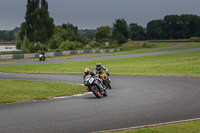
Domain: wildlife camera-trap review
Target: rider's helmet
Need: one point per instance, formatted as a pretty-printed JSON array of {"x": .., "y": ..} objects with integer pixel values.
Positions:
[
  {"x": 87, "y": 71},
  {"x": 98, "y": 66}
]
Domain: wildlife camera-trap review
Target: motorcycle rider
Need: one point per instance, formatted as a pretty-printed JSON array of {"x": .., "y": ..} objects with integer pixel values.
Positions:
[
  {"x": 87, "y": 72},
  {"x": 99, "y": 70},
  {"x": 43, "y": 54}
]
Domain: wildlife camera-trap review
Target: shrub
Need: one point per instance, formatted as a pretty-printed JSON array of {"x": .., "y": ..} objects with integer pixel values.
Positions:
[
  {"x": 148, "y": 45},
  {"x": 95, "y": 44},
  {"x": 195, "y": 39},
  {"x": 69, "y": 45},
  {"x": 54, "y": 42}
]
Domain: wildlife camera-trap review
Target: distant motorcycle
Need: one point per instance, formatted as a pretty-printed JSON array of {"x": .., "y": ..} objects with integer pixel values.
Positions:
[
  {"x": 106, "y": 80},
  {"x": 41, "y": 57},
  {"x": 94, "y": 85}
]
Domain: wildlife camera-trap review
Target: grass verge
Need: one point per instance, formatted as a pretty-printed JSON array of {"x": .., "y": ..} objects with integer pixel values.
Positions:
[
  {"x": 26, "y": 90},
  {"x": 178, "y": 64},
  {"x": 188, "y": 127}
]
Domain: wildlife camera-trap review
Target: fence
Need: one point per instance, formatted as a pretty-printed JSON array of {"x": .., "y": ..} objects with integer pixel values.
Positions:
[{"x": 52, "y": 54}]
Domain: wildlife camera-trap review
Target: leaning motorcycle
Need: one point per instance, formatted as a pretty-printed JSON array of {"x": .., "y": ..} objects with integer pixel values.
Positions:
[
  {"x": 41, "y": 57},
  {"x": 94, "y": 86},
  {"x": 106, "y": 80}
]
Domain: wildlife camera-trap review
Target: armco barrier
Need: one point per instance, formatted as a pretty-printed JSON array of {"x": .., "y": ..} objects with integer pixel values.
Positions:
[
  {"x": 102, "y": 51},
  {"x": 57, "y": 53},
  {"x": 51, "y": 54},
  {"x": 18, "y": 56},
  {"x": 88, "y": 51},
  {"x": 66, "y": 52},
  {"x": 6, "y": 57},
  {"x": 37, "y": 55},
  {"x": 73, "y": 52},
  {"x": 107, "y": 50},
  {"x": 80, "y": 51},
  {"x": 29, "y": 55},
  {"x": 96, "y": 51}
]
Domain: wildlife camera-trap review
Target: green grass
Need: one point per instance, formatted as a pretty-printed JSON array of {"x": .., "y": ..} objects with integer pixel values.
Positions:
[
  {"x": 26, "y": 90},
  {"x": 133, "y": 50},
  {"x": 179, "y": 64},
  {"x": 188, "y": 127},
  {"x": 147, "y": 45}
]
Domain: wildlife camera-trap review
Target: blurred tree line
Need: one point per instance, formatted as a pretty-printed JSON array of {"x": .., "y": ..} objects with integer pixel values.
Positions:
[
  {"x": 39, "y": 33},
  {"x": 174, "y": 27},
  {"x": 6, "y": 35}
]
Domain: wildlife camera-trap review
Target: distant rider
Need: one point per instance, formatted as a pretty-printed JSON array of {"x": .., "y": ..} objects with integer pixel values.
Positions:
[
  {"x": 43, "y": 54},
  {"x": 99, "y": 69}
]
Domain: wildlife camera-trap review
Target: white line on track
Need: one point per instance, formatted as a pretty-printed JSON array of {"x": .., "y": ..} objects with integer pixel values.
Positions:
[{"x": 77, "y": 95}]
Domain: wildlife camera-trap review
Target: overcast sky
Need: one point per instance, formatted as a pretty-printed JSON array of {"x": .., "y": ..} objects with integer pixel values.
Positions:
[{"x": 90, "y": 14}]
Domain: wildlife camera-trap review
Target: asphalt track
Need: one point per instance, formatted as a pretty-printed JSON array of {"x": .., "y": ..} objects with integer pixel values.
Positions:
[{"x": 133, "y": 101}]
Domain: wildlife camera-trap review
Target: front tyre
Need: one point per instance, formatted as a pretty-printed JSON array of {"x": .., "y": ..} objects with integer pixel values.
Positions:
[
  {"x": 96, "y": 91},
  {"x": 107, "y": 83},
  {"x": 109, "y": 86}
]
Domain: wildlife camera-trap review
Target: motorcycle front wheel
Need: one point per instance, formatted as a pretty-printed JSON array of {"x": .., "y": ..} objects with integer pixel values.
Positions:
[
  {"x": 96, "y": 91},
  {"x": 107, "y": 83}
]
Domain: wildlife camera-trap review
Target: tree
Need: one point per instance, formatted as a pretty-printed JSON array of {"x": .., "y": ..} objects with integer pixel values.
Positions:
[
  {"x": 65, "y": 33},
  {"x": 171, "y": 25},
  {"x": 38, "y": 26},
  {"x": 120, "y": 31},
  {"x": 31, "y": 6},
  {"x": 155, "y": 29},
  {"x": 88, "y": 33},
  {"x": 70, "y": 27},
  {"x": 136, "y": 32},
  {"x": 103, "y": 34},
  {"x": 7, "y": 35},
  {"x": 174, "y": 27}
]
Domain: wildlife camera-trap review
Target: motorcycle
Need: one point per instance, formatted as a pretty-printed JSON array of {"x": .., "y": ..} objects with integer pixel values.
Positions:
[
  {"x": 41, "y": 57},
  {"x": 94, "y": 85},
  {"x": 106, "y": 80}
]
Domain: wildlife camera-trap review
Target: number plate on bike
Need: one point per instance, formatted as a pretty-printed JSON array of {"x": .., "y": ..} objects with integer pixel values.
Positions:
[{"x": 91, "y": 80}]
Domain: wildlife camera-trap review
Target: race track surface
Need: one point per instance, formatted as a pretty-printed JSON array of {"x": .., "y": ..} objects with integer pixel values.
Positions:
[{"x": 133, "y": 101}]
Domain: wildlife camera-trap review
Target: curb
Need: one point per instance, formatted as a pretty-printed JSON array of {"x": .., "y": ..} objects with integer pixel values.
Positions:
[{"x": 148, "y": 126}]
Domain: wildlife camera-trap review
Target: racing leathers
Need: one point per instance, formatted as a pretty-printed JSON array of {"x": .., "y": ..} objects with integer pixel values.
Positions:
[{"x": 99, "y": 70}]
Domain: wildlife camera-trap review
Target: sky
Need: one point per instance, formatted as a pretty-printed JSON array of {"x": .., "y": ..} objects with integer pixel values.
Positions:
[{"x": 90, "y": 14}]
